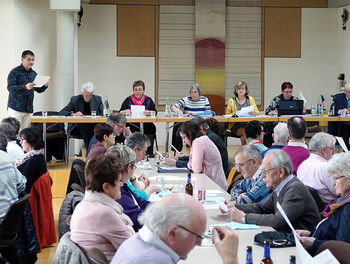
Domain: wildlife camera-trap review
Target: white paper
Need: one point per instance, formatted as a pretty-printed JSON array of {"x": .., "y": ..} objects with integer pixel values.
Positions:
[
  {"x": 304, "y": 256},
  {"x": 222, "y": 206},
  {"x": 137, "y": 110},
  {"x": 210, "y": 206},
  {"x": 301, "y": 97},
  {"x": 279, "y": 207},
  {"x": 342, "y": 143},
  {"x": 40, "y": 80},
  {"x": 325, "y": 257},
  {"x": 245, "y": 110},
  {"x": 167, "y": 178}
]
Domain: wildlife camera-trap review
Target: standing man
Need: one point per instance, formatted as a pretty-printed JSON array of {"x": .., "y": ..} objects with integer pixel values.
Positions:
[
  {"x": 21, "y": 87},
  {"x": 81, "y": 105},
  {"x": 341, "y": 102}
]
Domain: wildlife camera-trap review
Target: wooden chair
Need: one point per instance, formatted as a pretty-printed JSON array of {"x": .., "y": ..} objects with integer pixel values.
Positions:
[{"x": 217, "y": 103}]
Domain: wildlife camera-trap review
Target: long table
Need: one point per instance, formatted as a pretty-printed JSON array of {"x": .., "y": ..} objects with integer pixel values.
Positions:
[{"x": 208, "y": 253}]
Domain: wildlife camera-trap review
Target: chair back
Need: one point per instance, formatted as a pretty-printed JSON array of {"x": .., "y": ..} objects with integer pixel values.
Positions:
[
  {"x": 12, "y": 221},
  {"x": 317, "y": 199},
  {"x": 217, "y": 103},
  {"x": 79, "y": 169},
  {"x": 96, "y": 256}
]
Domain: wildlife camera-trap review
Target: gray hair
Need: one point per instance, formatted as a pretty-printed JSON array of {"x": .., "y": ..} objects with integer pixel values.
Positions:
[
  {"x": 115, "y": 118},
  {"x": 159, "y": 217},
  {"x": 196, "y": 86},
  {"x": 201, "y": 122},
  {"x": 281, "y": 132},
  {"x": 249, "y": 152},
  {"x": 320, "y": 141},
  {"x": 138, "y": 140},
  {"x": 125, "y": 154},
  {"x": 3, "y": 142},
  {"x": 8, "y": 131},
  {"x": 88, "y": 87},
  {"x": 340, "y": 164},
  {"x": 280, "y": 159},
  {"x": 13, "y": 122}
]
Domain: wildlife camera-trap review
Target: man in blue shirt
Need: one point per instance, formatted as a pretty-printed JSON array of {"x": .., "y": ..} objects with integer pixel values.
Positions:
[{"x": 21, "y": 87}]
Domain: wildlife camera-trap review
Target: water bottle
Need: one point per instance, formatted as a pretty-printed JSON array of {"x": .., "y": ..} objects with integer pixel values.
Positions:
[
  {"x": 189, "y": 187},
  {"x": 167, "y": 108},
  {"x": 106, "y": 107},
  {"x": 292, "y": 259},
  {"x": 266, "y": 259},
  {"x": 249, "y": 256},
  {"x": 313, "y": 107},
  {"x": 320, "y": 107}
]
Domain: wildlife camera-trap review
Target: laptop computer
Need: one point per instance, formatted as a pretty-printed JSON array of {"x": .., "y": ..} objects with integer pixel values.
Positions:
[{"x": 292, "y": 107}]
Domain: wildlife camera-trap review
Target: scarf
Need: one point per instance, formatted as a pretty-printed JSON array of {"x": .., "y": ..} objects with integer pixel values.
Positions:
[
  {"x": 104, "y": 199},
  {"x": 336, "y": 204},
  {"x": 138, "y": 101},
  {"x": 28, "y": 155}
]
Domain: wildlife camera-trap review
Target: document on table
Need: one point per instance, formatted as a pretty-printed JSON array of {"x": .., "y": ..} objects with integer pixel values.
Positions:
[
  {"x": 40, "y": 80},
  {"x": 342, "y": 143},
  {"x": 236, "y": 226},
  {"x": 170, "y": 169},
  {"x": 137, "y": 110},
  {"x": 245, "y": 110},
  {"x": 167, "y": 178}
]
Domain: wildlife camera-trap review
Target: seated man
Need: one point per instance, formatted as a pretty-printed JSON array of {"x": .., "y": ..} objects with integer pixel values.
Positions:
[
  {"x": 289, "y": 191},
  {"x": 117, "y": 121},
  {"x": 171, "y": 228},
  {"x": 81, "y": 105},
  {"x": 252, "y": 189},
  {"x": 13, "y": 149},
  {"x": 280, "y": 137},
  {"x": 297, "y": 149},
  {"x": 312, "y": 172}
]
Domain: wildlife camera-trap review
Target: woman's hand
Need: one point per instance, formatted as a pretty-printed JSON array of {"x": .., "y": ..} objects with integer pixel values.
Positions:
[
  {"x": 147, "y": 113},
  {"x": 144, "y": 180},
  {"x": 302, "y": 233},
  {"x": 125, "y": 112},
  {"x": 252, "y": 113},
  {"x": 151, "y": 189},
  {"x": 307, "y": 242}
]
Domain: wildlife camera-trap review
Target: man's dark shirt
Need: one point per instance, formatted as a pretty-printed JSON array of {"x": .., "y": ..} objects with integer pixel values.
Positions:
[{"x": 20, "y": 99}]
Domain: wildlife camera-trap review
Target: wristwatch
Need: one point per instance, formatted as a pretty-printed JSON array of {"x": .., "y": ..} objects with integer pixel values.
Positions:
[{"x": 243, "y": 220}]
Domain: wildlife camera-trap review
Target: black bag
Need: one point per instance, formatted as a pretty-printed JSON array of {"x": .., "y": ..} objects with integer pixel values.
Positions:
[{"x": 277, "y": 239}]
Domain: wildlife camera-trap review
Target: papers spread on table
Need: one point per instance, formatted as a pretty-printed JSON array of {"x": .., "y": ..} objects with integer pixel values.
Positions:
[
  {"x": 236, "y": 226},
  {"x": 40, "y": 80},
  {"x": 210, "y": 206},
  {"x": 342, "y": 143},
  {"x": 137, "y": 110},
  {"x": 214, "y": 199},
  {"x": 167, "y": 178},
  {"x": 245, "y": 110},
  {"x": 325, "y": 257},
  {"x": 171, "y": 169}
]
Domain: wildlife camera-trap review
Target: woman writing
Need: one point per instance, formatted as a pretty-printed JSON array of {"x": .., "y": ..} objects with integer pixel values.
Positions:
[
  {"x": 204, "y": 156},
  {"x": 139, "y": 98},
  {"x": 335, "y": 226},
  {"x": 235, "y": 104},
  {"x": 98, "y": 220},
  {"x": 255, "y": 133}
]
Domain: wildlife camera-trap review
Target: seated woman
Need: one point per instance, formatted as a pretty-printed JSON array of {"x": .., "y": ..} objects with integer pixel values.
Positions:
[
  {"x": 235, "y": 104},
  {"x": 139, "y": 98},
  {"x": 204, "y": 156},
  {"x": 33, "y": 166},
  {"x": 255, "y": 133},
  {"x": 193, "y": 104},
  {"x": 98, "y": 220},
  {"x": 105, "y": 138},
  {"x": 132, "y": 204},
  {"x": 335, "y": 226}
]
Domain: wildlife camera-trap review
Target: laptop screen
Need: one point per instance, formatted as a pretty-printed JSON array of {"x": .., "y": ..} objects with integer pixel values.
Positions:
[{"x": 292, "y": 107}]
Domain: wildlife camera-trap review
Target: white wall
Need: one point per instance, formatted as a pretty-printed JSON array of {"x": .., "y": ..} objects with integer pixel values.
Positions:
[
  {"x": 317, "y": 70},
  {"x": 343, "y": 40}
]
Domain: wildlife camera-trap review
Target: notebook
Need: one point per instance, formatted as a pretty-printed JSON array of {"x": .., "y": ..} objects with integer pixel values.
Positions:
[{"x": 292, "y": 107}]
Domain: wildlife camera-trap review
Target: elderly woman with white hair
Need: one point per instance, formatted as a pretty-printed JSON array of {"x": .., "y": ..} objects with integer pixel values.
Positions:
[
  {"x": 81, "y": 105},
  {"x": 193, "y": 104},
  {"x": 335, "y": 226}
]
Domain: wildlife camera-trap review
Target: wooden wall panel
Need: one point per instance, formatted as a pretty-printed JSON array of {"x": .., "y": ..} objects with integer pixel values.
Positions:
[
  {"x": 125, "y": 2},
  {"x": 294, "y": 3},
  {"x": 282, "y": 32},
  {"x": 136, "y": 30}
]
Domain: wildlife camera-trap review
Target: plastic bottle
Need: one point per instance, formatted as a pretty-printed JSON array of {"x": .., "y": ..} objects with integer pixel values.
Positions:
[
  {"x": 292, "y": 259},
  {"x": 320, "y": 107},
  {"x": 167, "y": 107},
  {"x": 106, "y": 107},
  {"x": 249, "y": 256},
  {"x": 189, "y": 187},
  {"x": 313, "y": 107},
  {"x": 266, "y": 258}
]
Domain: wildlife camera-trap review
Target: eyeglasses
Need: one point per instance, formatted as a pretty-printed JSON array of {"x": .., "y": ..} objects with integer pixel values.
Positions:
[
  {"x": 337, "y": 178},
  {"x": 120, "y": 126},
  {"x": 183, "y": 137},
  {"x": 201, "y": 237},
  {"x": 242, "y": 164},
  {"x": 132, "y": 165},
  {"x": 346, "y": 91},
  {"x": 288, "y": 92},
  {"x": 266, "y": 171},
  {"x": 331, "y": 148}
]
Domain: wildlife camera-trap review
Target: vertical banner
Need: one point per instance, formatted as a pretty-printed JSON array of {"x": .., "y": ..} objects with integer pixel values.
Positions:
[{"x": 210, "y": 46}]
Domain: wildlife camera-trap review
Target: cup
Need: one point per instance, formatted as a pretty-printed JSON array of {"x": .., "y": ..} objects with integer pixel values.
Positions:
[
  {"x": 127, "y": 115},
  {"x": 93, "y": 113},
  {"x": 153, "y": 114},
  {"x": 156, "y": 159},
  {"x": 202, "y": 192},
  {"x": 44, "y": 113},
  {"x": 160, "y": 184},
  {"x": 342, "y": 112},
  {"x": 176, "y": 188},
  {"x": 180, "y": 114}
]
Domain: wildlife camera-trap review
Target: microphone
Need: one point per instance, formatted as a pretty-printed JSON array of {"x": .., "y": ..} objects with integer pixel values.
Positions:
[
  {"x": 322, "y": 98},
  {"x": 332, "y": 95}
]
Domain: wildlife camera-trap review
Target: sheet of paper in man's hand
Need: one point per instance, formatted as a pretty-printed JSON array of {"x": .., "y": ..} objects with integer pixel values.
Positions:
[{"x": 40, "y": 80}]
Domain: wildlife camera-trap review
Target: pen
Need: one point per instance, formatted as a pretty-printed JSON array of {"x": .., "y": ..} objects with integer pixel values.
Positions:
[
  {"x": 160, "y": 154},
  {"x": 178, "y": 152}
]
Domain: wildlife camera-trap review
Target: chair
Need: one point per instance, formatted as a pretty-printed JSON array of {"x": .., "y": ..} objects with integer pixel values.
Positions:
[
  {"x": 74, "y": 136},
  {"x": 317, "y": 199},
  {"x": 217, "y": 103},
  {"x": 339, "y": 249},
  {"x": 55, "y": 137},
  {"x": 76, "y": 175},
  {"x": 12, "y": 221},
  {"x": 97, "y": 256}
]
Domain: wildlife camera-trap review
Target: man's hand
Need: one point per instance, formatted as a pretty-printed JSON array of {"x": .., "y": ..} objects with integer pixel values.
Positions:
[
  {"x": 226, "y": 243},
  {"x": 77, "y": 114},
  {"x": 29, "y": 86},
  {"x": 48, "y": 82},
  {"x": 126, "y": 132},
  {"x": 236, "y": 214}
]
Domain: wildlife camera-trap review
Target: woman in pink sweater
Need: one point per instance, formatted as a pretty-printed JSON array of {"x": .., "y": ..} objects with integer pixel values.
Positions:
[{"x": 205, "y": 156}]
